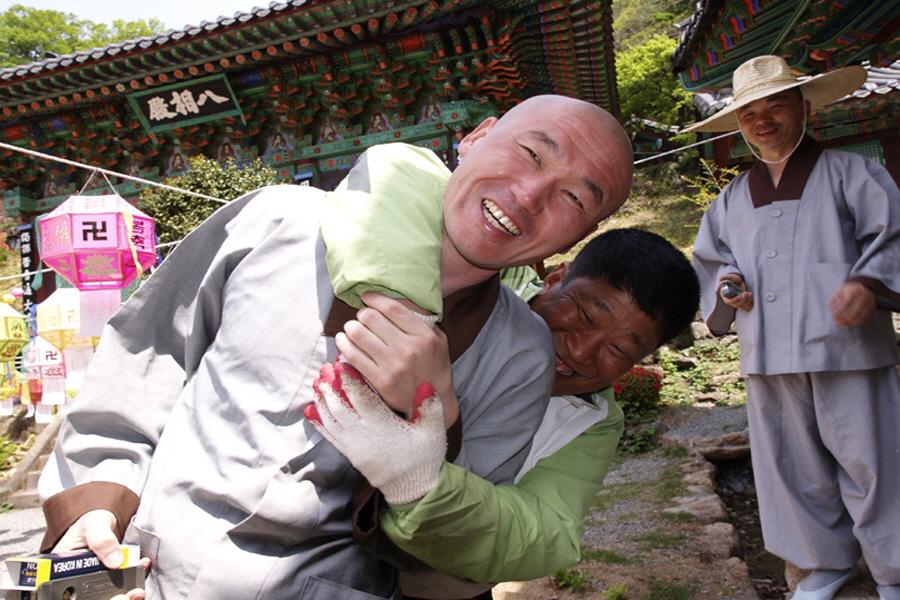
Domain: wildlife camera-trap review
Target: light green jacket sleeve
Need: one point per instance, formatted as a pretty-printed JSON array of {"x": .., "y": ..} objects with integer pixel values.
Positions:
[
  {"x": 382, "y": 226},
  {"x": 476, "y": 531}
]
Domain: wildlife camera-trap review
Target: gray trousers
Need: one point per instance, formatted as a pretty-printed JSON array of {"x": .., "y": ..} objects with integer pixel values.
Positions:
[{"x": 826, "y": 459}]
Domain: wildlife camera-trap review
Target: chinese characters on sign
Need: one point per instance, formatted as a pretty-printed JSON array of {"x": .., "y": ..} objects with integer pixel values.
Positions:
[
  {"x": 29, "y": 264},
  {"x": 192, "y": 102},
  {"x": 182, "y": 103}
]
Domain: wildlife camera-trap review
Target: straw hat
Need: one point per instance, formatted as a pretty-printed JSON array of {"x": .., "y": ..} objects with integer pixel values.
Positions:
[{"x": 763, "y": 76}]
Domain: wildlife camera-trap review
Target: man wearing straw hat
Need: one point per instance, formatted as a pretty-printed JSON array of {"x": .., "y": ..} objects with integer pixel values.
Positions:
[{"x": 811, "y": 237}]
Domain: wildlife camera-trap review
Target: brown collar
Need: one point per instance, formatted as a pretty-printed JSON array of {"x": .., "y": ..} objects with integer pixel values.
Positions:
[{"x": 793, "y": 180}]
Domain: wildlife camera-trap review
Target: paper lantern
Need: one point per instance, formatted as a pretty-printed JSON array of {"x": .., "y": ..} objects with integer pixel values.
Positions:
[
  {"x": 44, "y": 364},
  {"x": 13, "y": 332},
  {"x": 97, "y": 242},
  {"x": 58, "y": 320}
]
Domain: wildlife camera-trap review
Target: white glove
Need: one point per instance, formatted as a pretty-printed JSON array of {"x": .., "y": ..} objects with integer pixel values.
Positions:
[{"x": 401, "y": 458}]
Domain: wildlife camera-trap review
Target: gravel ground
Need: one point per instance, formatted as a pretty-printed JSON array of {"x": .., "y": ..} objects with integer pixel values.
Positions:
[
  {"x": 688, "y": 422},
  {"x": 21, "y": 531},
  {"x": 617, "y": 524},
  {"x": 623, "y": 523}
]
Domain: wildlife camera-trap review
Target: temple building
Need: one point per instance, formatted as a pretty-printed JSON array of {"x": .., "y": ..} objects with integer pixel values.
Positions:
[{"x": 304, "y": 85}]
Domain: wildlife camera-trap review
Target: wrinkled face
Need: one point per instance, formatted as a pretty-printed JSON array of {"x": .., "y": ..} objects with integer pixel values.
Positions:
[
  {"x": 774, "y": 124},
  {"x": 598, "y": 331},
  {"x": 534, "y": 183}
]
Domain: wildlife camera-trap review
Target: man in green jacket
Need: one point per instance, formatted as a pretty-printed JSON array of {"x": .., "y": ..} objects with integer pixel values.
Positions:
[{"x": 626, "y": 293}]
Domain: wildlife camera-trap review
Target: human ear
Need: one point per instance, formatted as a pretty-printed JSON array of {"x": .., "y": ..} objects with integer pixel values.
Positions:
[
  {"x": 557, "y": 275},
  {"x": 476, "y": 134}
]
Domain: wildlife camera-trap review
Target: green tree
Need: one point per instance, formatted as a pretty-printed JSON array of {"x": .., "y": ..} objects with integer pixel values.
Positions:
[
  {"x": 30, "y": 34},
  {"x": 647, "y": 87},
  {"x": 176, "y": 214},
  {"x": 636, "y": 21}
]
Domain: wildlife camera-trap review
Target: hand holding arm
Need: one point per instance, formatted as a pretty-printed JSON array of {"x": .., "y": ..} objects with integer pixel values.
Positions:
[
  {"x": 401, "y": 458},
  {"x": 852, "y": 305},
  {"x": 396, "y": 352}
]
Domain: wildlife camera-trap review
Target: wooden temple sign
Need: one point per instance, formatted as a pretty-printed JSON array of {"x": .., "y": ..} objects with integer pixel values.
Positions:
[{"x": 185, "y": 104}]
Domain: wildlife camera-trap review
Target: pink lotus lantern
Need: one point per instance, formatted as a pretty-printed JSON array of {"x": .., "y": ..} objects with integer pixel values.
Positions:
[{"x": 98, "y": 244}]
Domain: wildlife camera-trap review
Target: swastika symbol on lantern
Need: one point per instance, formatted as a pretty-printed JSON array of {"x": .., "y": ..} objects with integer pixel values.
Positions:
[{"x": 90, "y": 228}]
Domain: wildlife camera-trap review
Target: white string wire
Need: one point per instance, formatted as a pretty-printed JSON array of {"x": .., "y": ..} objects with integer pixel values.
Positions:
[
  {"x": 676, "y": 150},
  {"x": 105, "y": 172},
  {"x": 175, "y": 189},
  {"x": 73, "y": 163}
]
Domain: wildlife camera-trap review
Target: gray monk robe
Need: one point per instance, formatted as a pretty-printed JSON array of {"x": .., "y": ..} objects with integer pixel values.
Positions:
[
  {"x": 823, "y": 402},
  {"x": 194, "y": 404}
]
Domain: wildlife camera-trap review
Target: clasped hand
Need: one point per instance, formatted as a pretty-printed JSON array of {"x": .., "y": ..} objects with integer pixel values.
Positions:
[{"x": 395, "y": 351}]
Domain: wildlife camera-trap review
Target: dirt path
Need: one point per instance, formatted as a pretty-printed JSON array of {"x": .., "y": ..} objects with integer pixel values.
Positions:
[
  {"x": 633, "y": 551},
  {"x": 630, "y": 542}
]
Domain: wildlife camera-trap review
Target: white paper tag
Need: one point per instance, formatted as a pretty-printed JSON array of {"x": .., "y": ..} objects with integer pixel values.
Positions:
[{"x": 97, "y": 306}]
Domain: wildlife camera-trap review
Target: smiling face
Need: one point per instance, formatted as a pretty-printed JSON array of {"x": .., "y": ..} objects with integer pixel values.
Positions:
[
  {"x": 535, "y": 182},
  {"x": 598, "y": 331},
  {"x": 775, "y": 123}
]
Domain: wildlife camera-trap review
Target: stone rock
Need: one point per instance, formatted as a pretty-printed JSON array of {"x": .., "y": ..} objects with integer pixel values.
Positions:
[
  {"x": 698, "y": 466},
  {"x": 659, "y": 429},
  {"x": 700, "y": 489},
  {"x": 707, "y": 509},
  {"x": 683, "y": 363},
  {"x": 737, "y": 438},
  {"x": 15, "y": 425},
  {"x": 794, "y": 575},
  {"x": 725, "y": 447},
  {"x": 700, "y": 331},
  {"x": 703, "y": 478},
  {"x": 656, "y": 369},
  {"x": 720, "y": 380},
  {"x": 712, "y": 398},
  {"x": 719, "y": 453},
  {"x": 720, "y": 540}
]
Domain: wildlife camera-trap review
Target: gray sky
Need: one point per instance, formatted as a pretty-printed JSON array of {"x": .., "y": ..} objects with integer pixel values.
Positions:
[{"x": 175, "y": 14}]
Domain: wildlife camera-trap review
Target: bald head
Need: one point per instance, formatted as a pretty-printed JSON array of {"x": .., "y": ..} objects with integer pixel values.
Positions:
[
  {"x": 533, "y": 183},
  {"x": 600, "y": 129}
]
